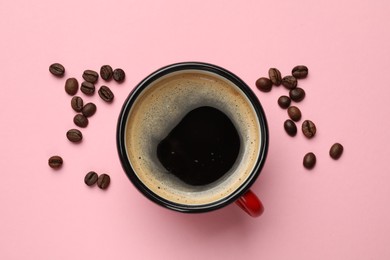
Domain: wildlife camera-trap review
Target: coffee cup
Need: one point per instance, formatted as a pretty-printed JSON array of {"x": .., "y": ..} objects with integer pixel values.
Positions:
[{"x": 193, "y": 137}]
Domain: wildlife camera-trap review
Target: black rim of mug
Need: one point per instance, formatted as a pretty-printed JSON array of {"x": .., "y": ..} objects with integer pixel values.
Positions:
[{"x": 121, "y": 129}]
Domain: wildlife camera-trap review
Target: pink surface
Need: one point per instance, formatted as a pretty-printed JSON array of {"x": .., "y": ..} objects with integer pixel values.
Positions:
[{"x": 339, "y": 210}]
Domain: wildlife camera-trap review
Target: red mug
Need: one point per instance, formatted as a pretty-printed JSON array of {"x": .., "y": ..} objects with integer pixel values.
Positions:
[{"x": 154, "y": 107}]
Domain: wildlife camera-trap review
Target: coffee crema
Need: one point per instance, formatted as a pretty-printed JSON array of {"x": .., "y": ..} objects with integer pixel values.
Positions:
[{"x": 162, "y": 105}]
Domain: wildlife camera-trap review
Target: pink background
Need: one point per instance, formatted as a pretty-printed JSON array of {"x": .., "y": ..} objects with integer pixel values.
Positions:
[{"x": 339, "y": 210}]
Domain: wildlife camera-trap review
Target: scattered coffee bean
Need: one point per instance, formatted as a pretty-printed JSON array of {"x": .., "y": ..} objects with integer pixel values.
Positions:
[
  {"x": 309, "y": 128},
  {"x": 309, "y": 160},
  {"x": 294, "y": 113},
  {"x": 89, "y": 109},
  {"x": 106, "y": 94},
  {"x": 57, "y": 69},
  {"x": 90, "y": 76},
  {"x": 336, "y": 151},
  {"x": 91, "y": 178},
  {"x": 71, "y": 86},
  {"x": 77, "y": 103},
  {"x": 106, "y": 72},
  {"x": 87, "y": 88},
  {"x": 74, "y": 135},
  {"x": 289, "y": 82},
  {"x": 119, "y": 75},
  {"x": 290, "y": 127},
  {"x": 80, "y": 120},
  {"x": 284, "y": 101},
  {"x": 275, "y": 76},
  {"x": 300, "y": 72},
  {"x": 297, "y": 94},
  {"x": 103, "y": 181},
  {"x": 55, "y": 162},
  {"x": 264, "y": 84}
]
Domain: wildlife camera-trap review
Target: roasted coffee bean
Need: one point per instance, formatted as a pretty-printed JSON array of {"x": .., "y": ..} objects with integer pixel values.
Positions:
[
  {"x": 71, "y": 86},
  {"x": 119, "y": 75},
  {"x": 89, "y": 109},
  {"x": 289, "y": 82},
  {"x": 300, "y": 72},
  {"x": 74, "y": 135},
  {"x": 55, "y": 162},
  {"x": 297, "y": 94},
  {"x": 103, "y": 181},
  {"x": 106, "y": 94},
  {"x": 336, "y": 151},
  {"x": 90, "y": 76},
  {"x": 275, "y": 76},
  {"x": 294, "y": 113},
  {"x": 309, "y": 160},
  {"x": 87, "y": 88},
  {"x": 309, "y": 128},
  {"x": 264, "y": 84},
  {"x": 106, "y": 72},
  {"x": 290, "y": 127},
  {"x": 77, "y": 103},
  {"x": 91, "y": 178},
  {"x": 80, "y": 120},
  {"x": 57, "y": 69},
  {"x": 284, "y": 101}
]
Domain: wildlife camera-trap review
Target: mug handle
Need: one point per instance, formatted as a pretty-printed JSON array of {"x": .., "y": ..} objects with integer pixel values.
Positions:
[{"x": 251, "y": 204}]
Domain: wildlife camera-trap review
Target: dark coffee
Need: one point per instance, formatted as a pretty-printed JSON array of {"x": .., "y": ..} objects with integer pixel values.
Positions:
[{"x": 201, "y": 148}]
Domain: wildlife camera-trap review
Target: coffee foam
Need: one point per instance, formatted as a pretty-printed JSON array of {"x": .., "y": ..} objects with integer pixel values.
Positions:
[{"x": 162, "y": 105}]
